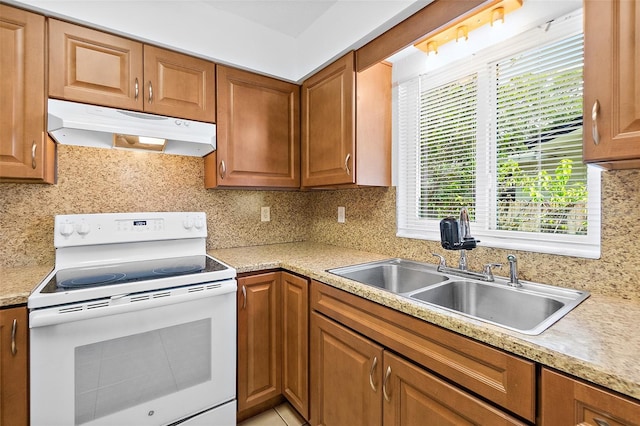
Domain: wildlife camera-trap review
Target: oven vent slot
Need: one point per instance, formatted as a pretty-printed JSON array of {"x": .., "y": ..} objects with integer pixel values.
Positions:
[
  {"x": 97, "y": 305},
  {"x": 76, "y": 308},
  {"x": 194, "y": 289},
  {"x": 140, "y": 298},
  {"x": 212, "y": 286},
  {"x": 163, "y": 294}
]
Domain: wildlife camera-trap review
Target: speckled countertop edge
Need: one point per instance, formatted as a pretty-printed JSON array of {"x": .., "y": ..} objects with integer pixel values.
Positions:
[{"x": 598, "y": 341}]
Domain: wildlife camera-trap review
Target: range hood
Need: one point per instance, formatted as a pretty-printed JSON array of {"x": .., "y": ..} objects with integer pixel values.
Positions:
[{"x": 72, "y": 123}]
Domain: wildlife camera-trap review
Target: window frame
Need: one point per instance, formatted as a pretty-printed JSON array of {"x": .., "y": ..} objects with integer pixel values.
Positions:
[{"x": 587, "y": 246}]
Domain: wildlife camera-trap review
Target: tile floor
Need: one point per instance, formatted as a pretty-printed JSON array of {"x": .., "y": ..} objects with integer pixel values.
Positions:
[{"x": 282, "y": 415}]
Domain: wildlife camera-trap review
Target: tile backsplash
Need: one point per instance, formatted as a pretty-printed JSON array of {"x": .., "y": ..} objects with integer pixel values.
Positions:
[
  {"x": 92, "y": 180},
  {"x": 370, "y": 225}
]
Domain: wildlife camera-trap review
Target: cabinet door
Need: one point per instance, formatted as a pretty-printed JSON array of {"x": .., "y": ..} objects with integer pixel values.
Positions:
[
  {"x": 568, "y": 402},
  {"x": 328, "y": 125},
  {"x": 90, "y": 66},
  {"x": 13, "y": 367},
  {"x": 259, "y": 339},
  {"x": 179, "y": 85},
  {"x": 612, "y": 83},
  {"x": 295, "y": 341},
  {"x": 412, "y": 396},
  {"x": 25, "y": 152},
  {"x": 258, "y": 127},
  {"x": 345, "y": 376}
]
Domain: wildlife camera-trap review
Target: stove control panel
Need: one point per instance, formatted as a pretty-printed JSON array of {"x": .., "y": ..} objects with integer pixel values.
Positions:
[{"x": 114, "y": 228}]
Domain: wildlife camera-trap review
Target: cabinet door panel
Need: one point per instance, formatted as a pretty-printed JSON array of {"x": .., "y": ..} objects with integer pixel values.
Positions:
[
  {"x": 24, "y": 150},
  {"x": 178, "y": 85},
  {"x": 258, "y": 130},
  {"x": 295, "y": 340},
  {"x": 612, "y": 80},
  {"x": 259, "y": 339},
  {"x": 13, "y": 367},
  {"x": 568, "y": 402},
  {"x": 416, "y": 397},
  {"x": 342, "y": 369},
  {"x": 328, "y": 132},
  {"x": 90, "y": 66}
]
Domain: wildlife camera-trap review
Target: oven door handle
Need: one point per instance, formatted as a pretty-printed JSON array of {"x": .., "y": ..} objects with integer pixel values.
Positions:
[{"x": 119, "y": 305}]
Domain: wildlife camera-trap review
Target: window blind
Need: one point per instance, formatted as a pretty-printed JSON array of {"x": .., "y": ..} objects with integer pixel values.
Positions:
[{"x": 501, "y": 134}]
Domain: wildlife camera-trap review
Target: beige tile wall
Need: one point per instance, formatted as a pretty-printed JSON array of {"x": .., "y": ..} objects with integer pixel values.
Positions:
[
  {"x": 370, "y": 225},
  {"x": 93, "y": 180},
  {"x": 96, "y": 180}
]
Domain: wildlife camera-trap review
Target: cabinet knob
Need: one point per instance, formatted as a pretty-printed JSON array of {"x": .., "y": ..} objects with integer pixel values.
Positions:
[
  {"x": 384, "y": 384},
  {"x": 34, "y": 147},
  {"x": 371, "y": 371},
  {"x": 14, "y": 327},
  {"x": 222, "y": 169},
  {"x": 346, "y": 163},
  {"x": 244, "y": 297},
  {"x": 595, "y": 112}
]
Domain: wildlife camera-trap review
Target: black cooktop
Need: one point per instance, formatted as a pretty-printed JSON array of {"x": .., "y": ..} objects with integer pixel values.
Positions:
[{"x": 127, "y": 272}]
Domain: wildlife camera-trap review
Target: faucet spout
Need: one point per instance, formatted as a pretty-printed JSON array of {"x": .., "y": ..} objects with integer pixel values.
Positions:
[
  {"x": 465, "y": 229},
  {"x": 513, "y": 271}
]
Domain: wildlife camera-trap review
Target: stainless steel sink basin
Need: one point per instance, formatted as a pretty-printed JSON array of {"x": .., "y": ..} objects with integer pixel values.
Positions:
[
  {"x": 394, "y": 275},
  {"x": 529, "y": 309}
]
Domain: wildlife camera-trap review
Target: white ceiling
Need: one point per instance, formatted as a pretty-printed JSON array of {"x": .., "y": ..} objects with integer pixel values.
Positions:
[{"x": 289, "y": 39}]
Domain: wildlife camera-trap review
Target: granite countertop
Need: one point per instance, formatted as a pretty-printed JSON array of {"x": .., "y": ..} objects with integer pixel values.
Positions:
[{"x": 597, "y": 341}]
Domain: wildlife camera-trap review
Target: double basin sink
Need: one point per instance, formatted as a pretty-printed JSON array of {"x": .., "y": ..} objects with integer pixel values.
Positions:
[{"x": 529, "y": 309}]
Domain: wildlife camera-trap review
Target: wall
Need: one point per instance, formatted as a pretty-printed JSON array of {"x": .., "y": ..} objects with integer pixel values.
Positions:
[
  {"x": 370, "y": 225},
  {"x": 93, "y": 180}
]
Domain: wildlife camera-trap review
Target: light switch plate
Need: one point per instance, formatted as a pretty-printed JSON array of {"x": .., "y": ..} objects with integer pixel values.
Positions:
[
  {"x": 265, "y": 214},
  {"x": 341, "y": 214}
]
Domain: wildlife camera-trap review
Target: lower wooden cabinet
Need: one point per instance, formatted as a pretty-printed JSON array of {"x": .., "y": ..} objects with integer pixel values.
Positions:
[
  {"x": 273, "y": 342},
  {"x": 566, "y": 401},
  {"x": 259, "y": 339},
  {"x": 295, "y": 342},
  {"x": 346, "y": 376},
  {"x": 413, "y": 396},
  {"x": 355, "y": 381},
  {"x": 14, "y": 361}
]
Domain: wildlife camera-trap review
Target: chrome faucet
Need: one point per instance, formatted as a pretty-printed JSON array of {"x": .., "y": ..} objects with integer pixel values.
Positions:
[{"x": 513, "y": 271}]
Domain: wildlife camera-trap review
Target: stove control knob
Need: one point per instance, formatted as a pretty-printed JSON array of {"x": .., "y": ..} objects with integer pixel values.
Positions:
[
  {"x": 66, "y": 229},
  {"x": 187, "y": 223},
  {"x": 199, "y": 224},
  {"x": 83, "y": 228}
]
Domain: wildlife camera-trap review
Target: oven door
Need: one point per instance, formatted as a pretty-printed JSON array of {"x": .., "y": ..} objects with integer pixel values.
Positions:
[{"x": 150, "y": 359}]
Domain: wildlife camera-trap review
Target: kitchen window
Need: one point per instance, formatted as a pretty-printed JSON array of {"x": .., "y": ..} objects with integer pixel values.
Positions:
[{"x": 501, "y": 134}]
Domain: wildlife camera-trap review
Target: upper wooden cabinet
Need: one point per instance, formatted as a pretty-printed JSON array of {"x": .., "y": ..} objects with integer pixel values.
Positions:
[
  {"x": 94, "y": 67},
  {"x": 14, "y": 359},
  {"x": 258, "y": 132},
  {"x": 346, "y": 125},
  {"x": 26, "y": 154},
  {"x": 612, "y": 83},
  {"x": 566, "y": 401}
]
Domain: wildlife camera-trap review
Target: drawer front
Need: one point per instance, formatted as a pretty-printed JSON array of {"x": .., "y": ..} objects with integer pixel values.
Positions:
[{"x": 502, "y": 378}]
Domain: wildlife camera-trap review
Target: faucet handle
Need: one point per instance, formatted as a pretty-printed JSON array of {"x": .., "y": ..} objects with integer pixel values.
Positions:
[
  {"x": 442, "y": 262},
  {"x": 487, "y": 269}
]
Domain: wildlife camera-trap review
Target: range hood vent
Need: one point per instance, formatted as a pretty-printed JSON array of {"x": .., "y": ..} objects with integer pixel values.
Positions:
[{"x": 72, "y": 123}]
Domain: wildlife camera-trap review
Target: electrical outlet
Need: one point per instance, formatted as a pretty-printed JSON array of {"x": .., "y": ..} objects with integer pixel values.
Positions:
[
  {"x": 341, "y": 215},
  {"x": 265, "y": 214}
]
